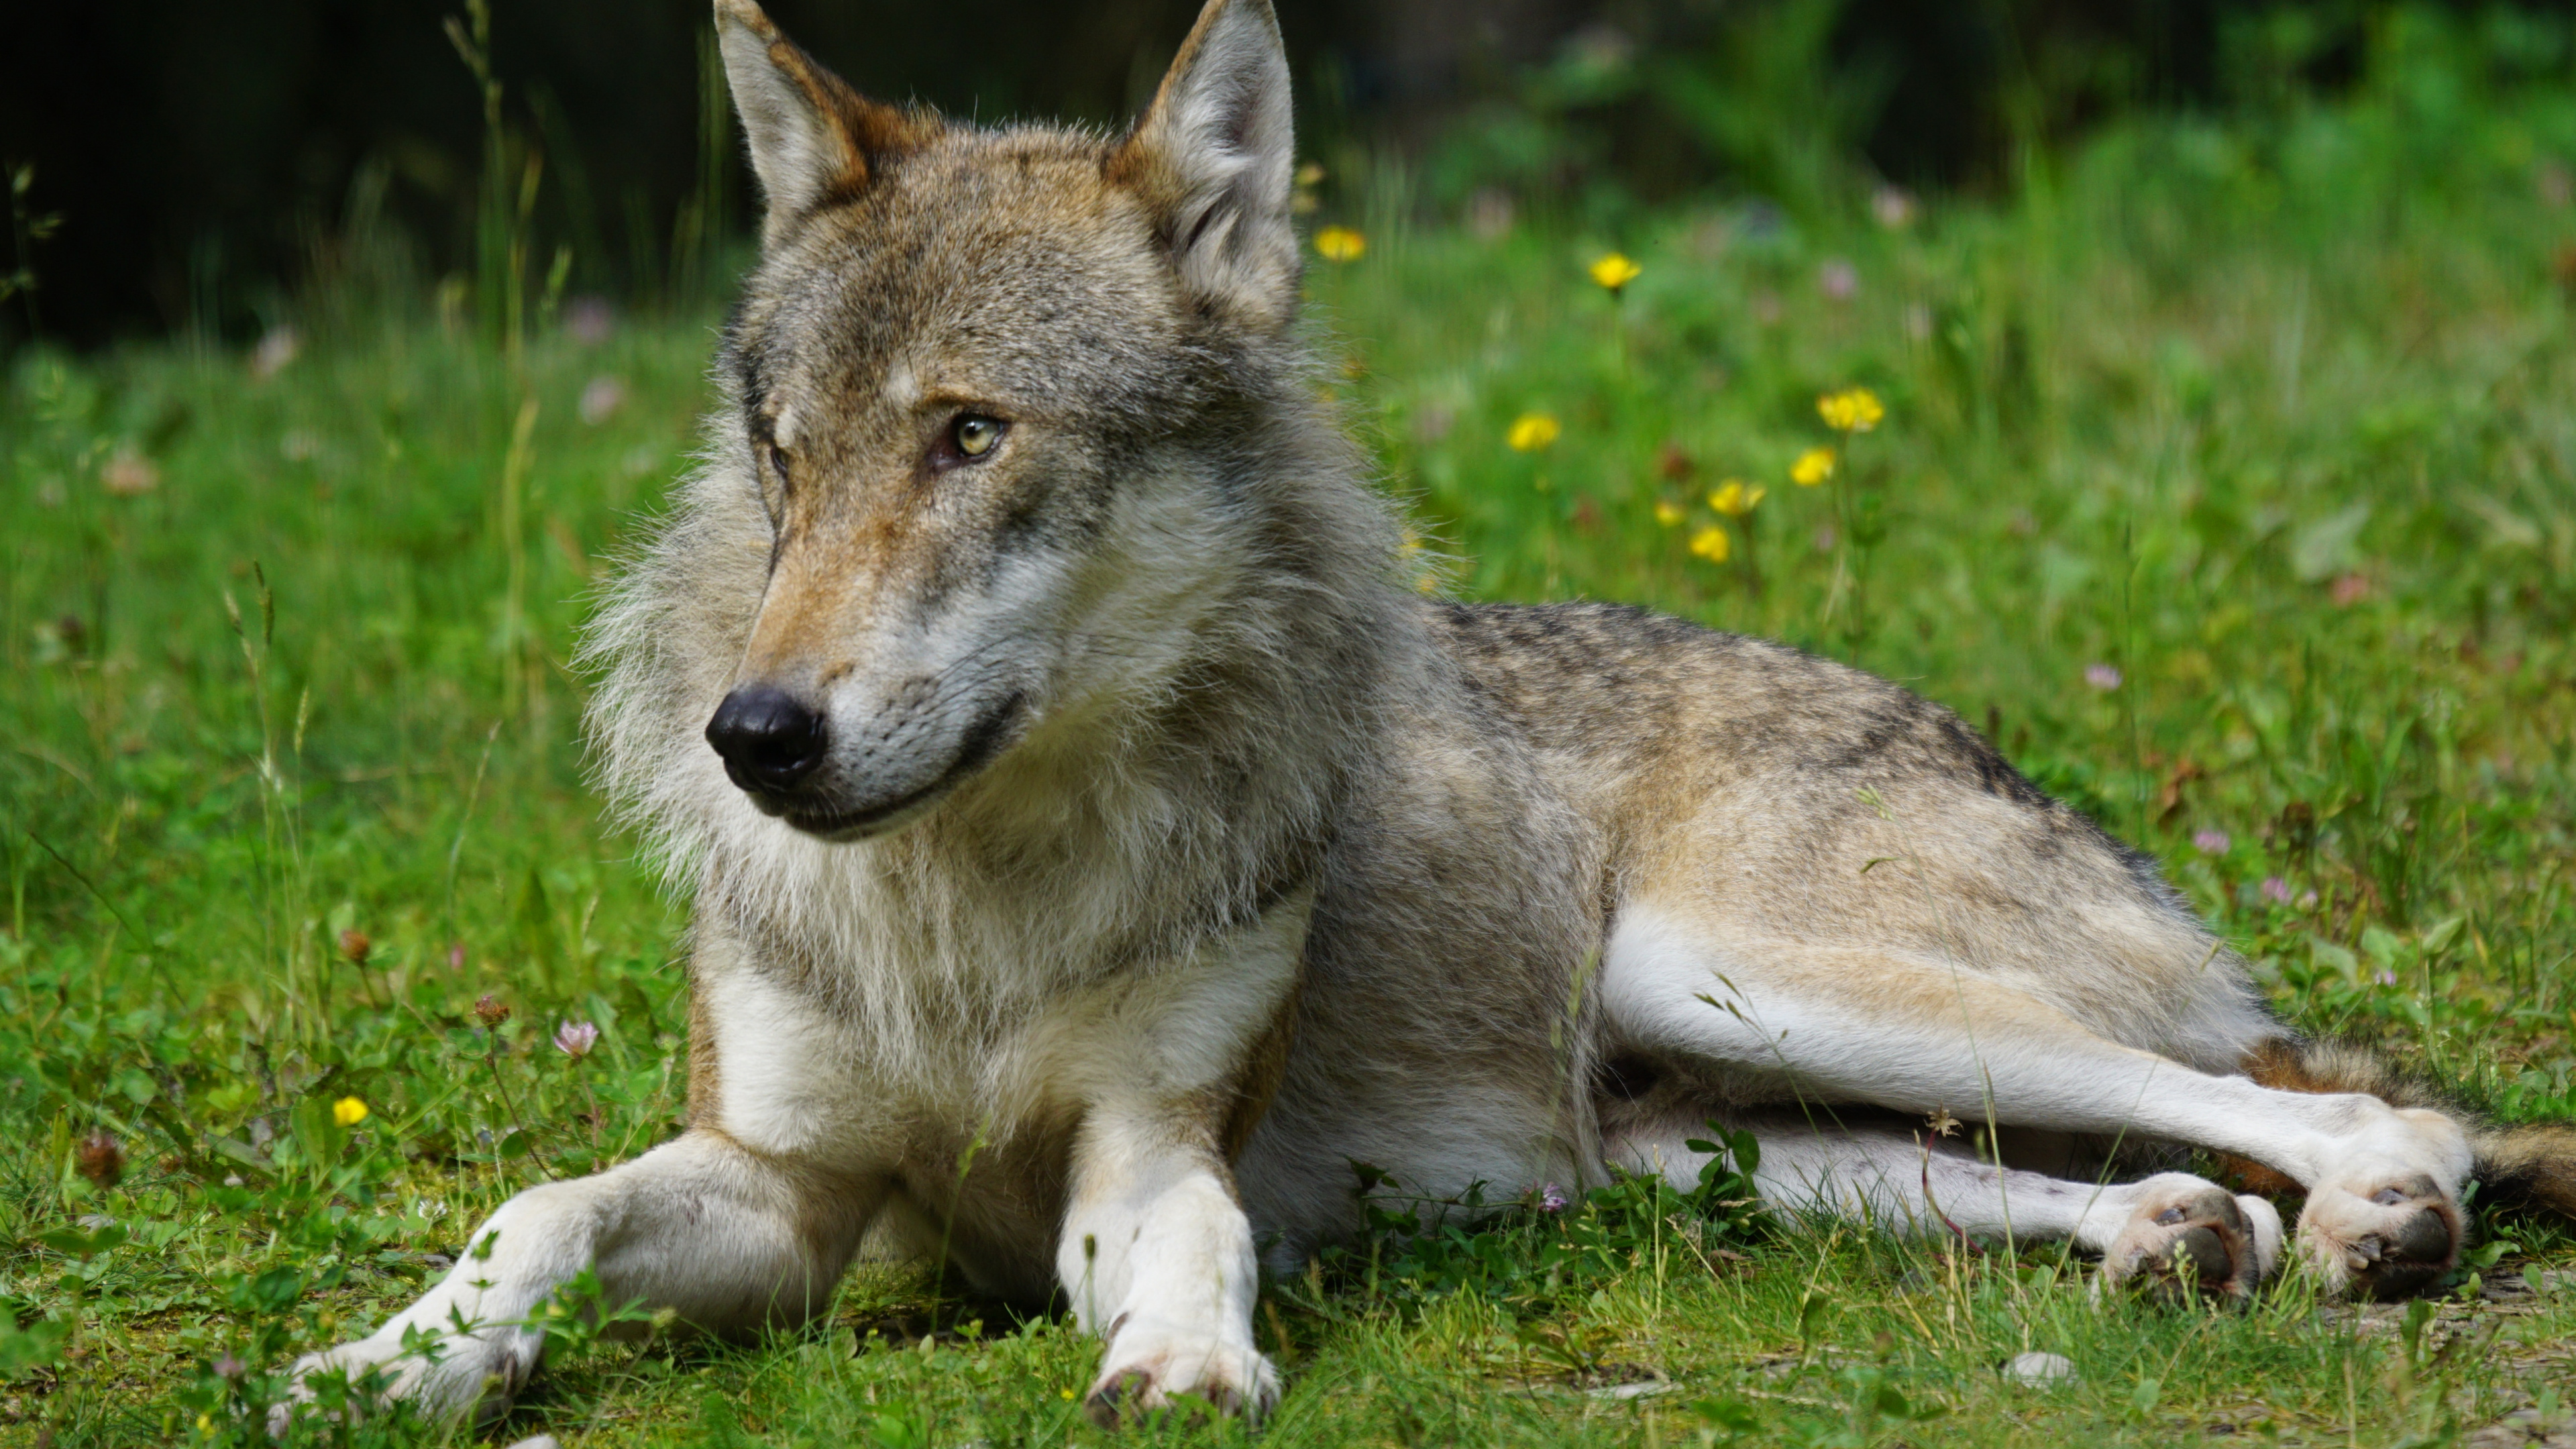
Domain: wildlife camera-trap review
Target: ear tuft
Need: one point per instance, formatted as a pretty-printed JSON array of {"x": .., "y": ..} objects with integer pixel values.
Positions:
[
  {"x": 812, "y": 138},
  {"x": 1214, "y": 155}
]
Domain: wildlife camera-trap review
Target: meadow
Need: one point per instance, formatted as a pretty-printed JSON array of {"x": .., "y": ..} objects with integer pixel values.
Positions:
[{"x": 2226, "y": 477}]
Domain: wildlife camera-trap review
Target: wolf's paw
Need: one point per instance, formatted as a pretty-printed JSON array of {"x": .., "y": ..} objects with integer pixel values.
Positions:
[
  {"x": 472, "y": 1379},
  {"x": 2187, "y": 1236},
  {"x": 1150, "y": 1364},
  {"x": 2384, "y": 1234}
]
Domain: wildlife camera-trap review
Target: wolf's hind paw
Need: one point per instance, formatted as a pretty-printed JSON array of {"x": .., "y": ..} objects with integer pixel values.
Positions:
[
  {"x": 2188, "y": 1238},
  {"x": 2381, "y": 1237}
]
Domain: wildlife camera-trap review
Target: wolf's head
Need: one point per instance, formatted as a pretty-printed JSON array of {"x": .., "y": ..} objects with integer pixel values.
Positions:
[{"x": 995, "y": 387}]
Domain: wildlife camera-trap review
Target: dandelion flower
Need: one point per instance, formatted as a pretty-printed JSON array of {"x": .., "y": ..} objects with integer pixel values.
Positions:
[
  {"x": 1668, "y": 513},
  {"x": 1531, "y": 432},
  {"x": 2102, "y": 677},
  {"x": 1340, "y": 244},
  {"x": 348, "y": 1111},
  {"x": 1853, "y": 410},
  {"x": 1734, "y": 498},
  {"x": 575, "y": 1039},
  {"x": 1614, "y": 272},
  {"x": 1712, "y": 543},
  {"x": 1814, "y": 466},
  {"x": 2210, "y": 842}
]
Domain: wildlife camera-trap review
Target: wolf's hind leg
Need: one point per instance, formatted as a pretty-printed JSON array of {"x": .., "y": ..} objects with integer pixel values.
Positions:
[
  {"x": 2173, "y": 1233},
  {"x": 724, "y": 1237},
  {"x": 1915, "y": 1033}
]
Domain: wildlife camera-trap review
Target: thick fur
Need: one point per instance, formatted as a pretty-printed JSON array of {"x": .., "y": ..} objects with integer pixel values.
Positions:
[{"x": 1166, "y": 857}]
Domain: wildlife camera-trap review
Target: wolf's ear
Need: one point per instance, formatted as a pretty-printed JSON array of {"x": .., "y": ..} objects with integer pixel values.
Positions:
[
  {"x": 813, "y": 139},
  {"x": 1213, "y": 155}
]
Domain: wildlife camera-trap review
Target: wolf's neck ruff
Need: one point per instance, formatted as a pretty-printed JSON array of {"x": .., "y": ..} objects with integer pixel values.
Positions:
[{"x": 1176, "y": 785}]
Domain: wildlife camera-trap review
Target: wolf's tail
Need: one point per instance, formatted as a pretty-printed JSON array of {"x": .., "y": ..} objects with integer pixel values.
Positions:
[{"x": 2530, "y": 1163}]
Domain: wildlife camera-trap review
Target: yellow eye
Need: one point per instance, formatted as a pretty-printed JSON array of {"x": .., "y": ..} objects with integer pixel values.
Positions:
[{"x": 975, "y": 434}]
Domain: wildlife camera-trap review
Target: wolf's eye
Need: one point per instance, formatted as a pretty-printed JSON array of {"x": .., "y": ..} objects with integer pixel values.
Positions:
[
  {"x": 778, "y": 464},
  {"x": 975, "y": 434}
]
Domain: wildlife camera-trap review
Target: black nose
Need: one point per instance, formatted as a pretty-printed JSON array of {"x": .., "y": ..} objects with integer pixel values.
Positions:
[{"x": 770, "y": 741}]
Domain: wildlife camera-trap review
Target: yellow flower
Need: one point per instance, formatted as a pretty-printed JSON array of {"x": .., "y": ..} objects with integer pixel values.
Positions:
[
  {"x": 1711, "y": 543},
  {"x": 1340, "y": 244},
  {"x": 1614, "y": 271},
  {"x": 1814, "y": 466},
  {"x": 1853, "y": 410},
  {"x": 1531, "y": 432},
  {"x": 348, "y": 1111},
  {"x": 1734, "y": 499},
  {"x": 1667, "y": 512}
]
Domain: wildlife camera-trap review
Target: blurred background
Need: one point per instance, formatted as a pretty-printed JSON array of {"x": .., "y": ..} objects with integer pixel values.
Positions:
[{"x": 182, "y": 167}]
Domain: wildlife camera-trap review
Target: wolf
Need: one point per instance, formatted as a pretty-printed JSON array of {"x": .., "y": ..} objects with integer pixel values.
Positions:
[{"x": 1097, "y": 848}]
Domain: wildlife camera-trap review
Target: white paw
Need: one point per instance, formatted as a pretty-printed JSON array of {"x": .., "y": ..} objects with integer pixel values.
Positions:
[
  {"x": 1151, "y": 1362},
  {"x": 479, "y": 1374},
  {"x": 2381, "y": 1231},
  {"x": 2188, "y": 1237}
]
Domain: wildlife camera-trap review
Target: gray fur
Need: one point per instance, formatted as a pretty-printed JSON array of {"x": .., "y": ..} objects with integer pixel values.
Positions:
[{"x": 1163, "y": 856}]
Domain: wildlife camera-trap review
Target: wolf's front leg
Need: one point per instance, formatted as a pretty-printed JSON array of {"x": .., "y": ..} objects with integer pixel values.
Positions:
[
  {"x": 1157, "y": 1258},
  {"x": 723, "y": 1236}
]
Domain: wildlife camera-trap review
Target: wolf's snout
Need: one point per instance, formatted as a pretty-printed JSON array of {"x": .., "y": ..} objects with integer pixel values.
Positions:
[{"x": 769, "y": 740}]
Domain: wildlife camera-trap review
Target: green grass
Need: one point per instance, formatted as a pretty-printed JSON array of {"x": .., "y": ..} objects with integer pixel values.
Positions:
[{"x": 2269, "y": 418}]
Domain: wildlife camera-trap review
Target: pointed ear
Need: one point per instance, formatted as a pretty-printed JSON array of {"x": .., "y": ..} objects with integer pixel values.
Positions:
[
  {"x": 1213, "y": 156},
  {"x": 813, "y": 139}
]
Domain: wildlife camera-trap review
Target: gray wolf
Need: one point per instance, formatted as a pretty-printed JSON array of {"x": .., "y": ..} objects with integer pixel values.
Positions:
[{"x": 1096, "y": 848}]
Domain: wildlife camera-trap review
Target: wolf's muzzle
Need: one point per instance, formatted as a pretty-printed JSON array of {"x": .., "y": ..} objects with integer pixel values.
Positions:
[{"x": 769, "y": 740}]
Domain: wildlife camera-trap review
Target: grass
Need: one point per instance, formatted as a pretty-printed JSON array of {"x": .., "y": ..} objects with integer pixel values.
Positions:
[{"x": 2228, "y": 477}]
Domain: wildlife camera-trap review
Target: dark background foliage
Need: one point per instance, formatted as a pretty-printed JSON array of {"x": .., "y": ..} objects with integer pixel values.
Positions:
[{"x": 200, "y": 158}]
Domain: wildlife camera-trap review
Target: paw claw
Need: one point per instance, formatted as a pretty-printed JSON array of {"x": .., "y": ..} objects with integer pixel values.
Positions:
[
  {"x": 1106, "y": 1406},
  {"x": 1148, "y": 1374}
]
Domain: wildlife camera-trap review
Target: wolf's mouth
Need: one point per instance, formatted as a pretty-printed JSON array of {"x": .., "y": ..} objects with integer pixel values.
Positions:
[{"x": 983, "y": 740}]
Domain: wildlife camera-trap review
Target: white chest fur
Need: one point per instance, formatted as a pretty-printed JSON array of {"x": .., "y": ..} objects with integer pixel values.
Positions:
[{"x": 851, "y": 1067}]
